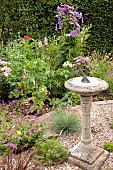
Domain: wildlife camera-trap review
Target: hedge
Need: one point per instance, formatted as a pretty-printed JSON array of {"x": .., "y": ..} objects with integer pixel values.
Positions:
[{"x": 37, "y": 18}]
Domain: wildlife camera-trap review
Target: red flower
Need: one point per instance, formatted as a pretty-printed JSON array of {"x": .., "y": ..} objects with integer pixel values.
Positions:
[{"x": 26, "y": 37}]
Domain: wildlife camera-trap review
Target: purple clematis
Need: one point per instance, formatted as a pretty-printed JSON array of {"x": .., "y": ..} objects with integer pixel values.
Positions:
[
  {"x": 59, "y": 9},
  {"x": 59, "y": 22},
  {"x": 66, "y": 9},
  {"x": 78, "y": 15},
  {"x": 74, "y": 32}
]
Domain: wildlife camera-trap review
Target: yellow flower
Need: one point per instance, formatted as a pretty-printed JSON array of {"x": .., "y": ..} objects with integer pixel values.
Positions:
[{"x": 18, "y": 132}]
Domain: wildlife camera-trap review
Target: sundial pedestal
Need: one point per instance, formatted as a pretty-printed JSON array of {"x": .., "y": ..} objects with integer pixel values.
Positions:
[{"x": 85, "y": 154}]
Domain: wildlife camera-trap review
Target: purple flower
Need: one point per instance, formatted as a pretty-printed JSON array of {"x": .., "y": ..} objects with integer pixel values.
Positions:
[
  {"x": 59, "y": 9},
  {"x": 19, "y": 137},
  {"x": 31, "y": 127},
  {"x": 13, "y": 146},
  {"x": 66, "y": 9},
  {"x": 34, "y": 130},
  {"x": 38, "y": 120},
  {"x": 73, "y": 33},
  {"x": 30, "y": 133},
  {"x": 77, "y": 25},
  {"x": 8, "y": 144},
  {"x": 59, "y": 22},
  {"x": 72, "y": 21},
  {"x": 77, "y": 14}
]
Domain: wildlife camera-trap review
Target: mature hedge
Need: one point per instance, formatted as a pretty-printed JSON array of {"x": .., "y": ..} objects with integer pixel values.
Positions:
[
  {"x": 99, "y": 13},
  {"x": 37, "y": 18},
  {"x": 32, "y": 17}
]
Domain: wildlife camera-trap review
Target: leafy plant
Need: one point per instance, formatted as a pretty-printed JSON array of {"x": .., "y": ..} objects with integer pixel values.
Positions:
[
  {"x": 64, "y": 122},
  {"x": 111, "y": 125},
  {"x": 99, "y": 65},
  {"x": 71, "y": 97},
  {"x": 108, "y": 147},
  {"x": 17, "y": 129},
  {"x": 27, "y": 78},
  {"x": 49, "y": 152}
]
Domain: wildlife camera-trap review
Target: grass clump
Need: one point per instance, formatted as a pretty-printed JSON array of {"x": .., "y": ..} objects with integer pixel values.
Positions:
[
  {"x": 49, "y": 152},
  {"x": 64, "y": 121},
  {"x": 108, "y": 147}
]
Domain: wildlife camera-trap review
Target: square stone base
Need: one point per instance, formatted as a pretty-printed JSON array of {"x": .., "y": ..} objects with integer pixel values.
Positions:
[{"x": 88, "y": 157}]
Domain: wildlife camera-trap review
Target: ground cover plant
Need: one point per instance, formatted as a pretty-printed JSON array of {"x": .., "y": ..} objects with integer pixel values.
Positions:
[
  {"x": 49, "y": 152},
  {"x": 108, "y": 146},
  {"x": 17, "y": 127}
]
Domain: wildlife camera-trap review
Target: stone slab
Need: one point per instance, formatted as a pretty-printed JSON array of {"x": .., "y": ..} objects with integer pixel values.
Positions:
[{"x": 94, "y": 163}]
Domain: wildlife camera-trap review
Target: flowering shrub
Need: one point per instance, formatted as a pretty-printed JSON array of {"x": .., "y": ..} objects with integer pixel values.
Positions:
[
  {"x": 18, "y": 129},
  {"x": 75, "y": 36},
  {"x": 16, "y": 107},
  {"x": 80, "y": 63}
]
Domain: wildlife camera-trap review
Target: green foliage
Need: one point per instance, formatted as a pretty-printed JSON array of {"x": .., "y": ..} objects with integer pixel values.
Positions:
[
  {"x": 33, "y": 18},
  {"x": 71, "y": 97},
  {"x": 49, "y": 152},
  {"x": 64, "y": 122},
  {"x": 111, "y": 125},
  {"x": 27, "y": 78},
  {"x": 108, "y": 147},
  {"x": 99, "y": 13},
  {"x": 18, "y": 129},
  {"x": 99, "y": 65}
]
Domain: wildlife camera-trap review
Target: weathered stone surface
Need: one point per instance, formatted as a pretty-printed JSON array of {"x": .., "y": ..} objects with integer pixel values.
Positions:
[{"x": 85, "y": 155}]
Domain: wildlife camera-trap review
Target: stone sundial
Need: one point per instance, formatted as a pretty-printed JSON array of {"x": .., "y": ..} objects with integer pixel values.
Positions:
[{"x": 85, "y": 154}]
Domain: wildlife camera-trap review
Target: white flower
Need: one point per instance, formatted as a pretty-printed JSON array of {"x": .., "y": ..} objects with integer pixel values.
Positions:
[
  {"x": 40, "y": 43},
  {"x": 45, "y": 41},
  {"x": 67, "y": 64}
]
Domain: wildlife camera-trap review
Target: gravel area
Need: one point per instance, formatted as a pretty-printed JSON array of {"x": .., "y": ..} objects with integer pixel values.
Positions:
[
  {"x": 102, "y": 112},
  {"x": 101, "y": 115}
]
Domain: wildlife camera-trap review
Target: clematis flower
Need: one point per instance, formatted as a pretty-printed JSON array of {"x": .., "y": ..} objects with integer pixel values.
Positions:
[
  {"x": 73, "y": 33},
  {"x": 66, "y": 9},
  {"x": 59, "y": 9},
  {"x": 26, "y": 37},
  {"x": 59, "y": 22}
]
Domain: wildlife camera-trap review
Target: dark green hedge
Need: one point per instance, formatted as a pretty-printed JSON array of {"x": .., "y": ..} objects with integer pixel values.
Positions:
[
  {"x": 99, "y": 13},
  {"x": 32, "y": 17},
  {"x": 37, "y": 18}
]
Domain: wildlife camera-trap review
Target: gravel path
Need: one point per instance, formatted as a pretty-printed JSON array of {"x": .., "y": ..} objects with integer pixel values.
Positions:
[{"x": 101, "y": 114}]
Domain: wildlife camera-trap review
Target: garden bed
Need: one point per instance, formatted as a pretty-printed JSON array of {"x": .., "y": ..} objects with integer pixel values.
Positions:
[{"x": 101, "y": 114}]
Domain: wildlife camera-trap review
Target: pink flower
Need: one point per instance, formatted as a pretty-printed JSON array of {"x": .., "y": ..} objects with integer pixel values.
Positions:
[
  {"x": 13, "y": 146},
  {"x": 34, "y": 130},
  {"x": 30, "y": 133},
  {"x": 19, "y": 137},
  {"x": 26, "y": 37},
  {"x": 24, "y": 75},
  {"x": 7, "y": 71}
]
